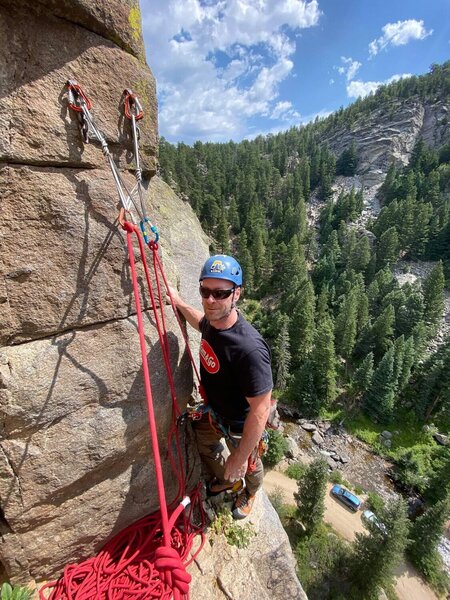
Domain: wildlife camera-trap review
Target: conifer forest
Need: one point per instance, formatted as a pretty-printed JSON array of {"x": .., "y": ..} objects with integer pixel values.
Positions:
[{"x": 347, "y": 338}]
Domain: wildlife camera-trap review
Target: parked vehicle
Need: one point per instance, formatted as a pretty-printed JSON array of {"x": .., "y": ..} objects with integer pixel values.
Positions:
[
  {"x": 369, "y": 517},
  {"x": 346, "y": 497}
]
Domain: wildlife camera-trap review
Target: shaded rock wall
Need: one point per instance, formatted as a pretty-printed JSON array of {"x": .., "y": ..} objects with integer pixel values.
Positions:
[{"x": 75, "y": 458}]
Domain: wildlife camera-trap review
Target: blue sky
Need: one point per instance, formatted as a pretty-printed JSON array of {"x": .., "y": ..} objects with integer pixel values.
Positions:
[{"x": 233, "y": 69}]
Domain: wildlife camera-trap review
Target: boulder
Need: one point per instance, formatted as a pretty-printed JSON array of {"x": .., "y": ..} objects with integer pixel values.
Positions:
[
  {"x": 309, "y": 426},
  {"x": 292, "y": 451},
  {"x": 317, "y": 438},
  {"x": 331, "y": 463},
  {"x": 441, "y": 439}
]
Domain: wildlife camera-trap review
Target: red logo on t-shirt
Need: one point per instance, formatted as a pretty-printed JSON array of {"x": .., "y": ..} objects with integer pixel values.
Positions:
[{"x": 208, "y": 359}]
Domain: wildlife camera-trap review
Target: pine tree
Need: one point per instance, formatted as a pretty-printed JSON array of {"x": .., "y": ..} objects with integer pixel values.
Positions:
[
  {"x": 346, "y": 325},
  {"x": 246, "y": 262},
  {"x": 301, "y": 328},
  {"x": 322, "y": 303},
  {"x": 378, "y": 401},
  {"x": 302, "y": 391},
  {"x": 348, "y": 161},
  {"x": 310, "y": 497},
  {"x": 433, "y": 383},
  {"x": 376, "y": 556},
  {"x": 433, "y": 295},
  {"x": 409, "y": 358},
  {"x": 399, "y": 357},
  {"x": 323, "y": 359},
  {"x": 222, "y": 234},
  {"x": 383, "y": 330},
  {"x": 387, "y": 248},
  {"x": 363, "y": 375},
  {"x": 283, "y": 355},
  {"x": 359, "y": 259},
  {"x": 233, "y": 216},
  {"x": 425, "y": 535}
]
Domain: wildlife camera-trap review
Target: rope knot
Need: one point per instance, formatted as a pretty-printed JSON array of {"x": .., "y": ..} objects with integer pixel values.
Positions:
[
  {"x": 127, "y": 226},
  {"x": 168, "y": 562}
]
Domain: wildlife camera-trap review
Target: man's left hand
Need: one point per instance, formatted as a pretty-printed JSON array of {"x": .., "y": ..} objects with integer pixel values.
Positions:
[{"x": 235, "y": 468}]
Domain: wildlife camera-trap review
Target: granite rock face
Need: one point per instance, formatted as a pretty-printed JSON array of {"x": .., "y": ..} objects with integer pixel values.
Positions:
[
  {"x": 40, "y": 53},
  {"x": 75, "y": 456}
]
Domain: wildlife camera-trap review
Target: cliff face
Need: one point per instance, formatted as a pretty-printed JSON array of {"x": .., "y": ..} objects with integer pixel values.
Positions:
[{"x": 75, "y": 459}]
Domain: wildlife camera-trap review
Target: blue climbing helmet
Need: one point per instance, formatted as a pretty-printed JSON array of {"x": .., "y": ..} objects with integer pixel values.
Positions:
[{"x": 221, "y": 266}]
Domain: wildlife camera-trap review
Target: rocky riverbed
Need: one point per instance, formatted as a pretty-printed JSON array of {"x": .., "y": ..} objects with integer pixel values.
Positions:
[{"x": 354, "y": 459}]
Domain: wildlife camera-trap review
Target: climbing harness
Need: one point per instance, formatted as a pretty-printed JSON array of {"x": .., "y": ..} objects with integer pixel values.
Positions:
[
  {"x": 203, "y": 410},
  {"x": 148, "y": 559}
]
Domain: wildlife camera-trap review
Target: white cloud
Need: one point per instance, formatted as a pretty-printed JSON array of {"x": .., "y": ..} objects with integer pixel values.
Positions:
[
  {"x": 399, "y": 34},
  {"x": 222, "y": 62},
  {"x": 349, "y": 69},
  {"x": 284, "y": 111},
  {"x": 355, "y": 89}
]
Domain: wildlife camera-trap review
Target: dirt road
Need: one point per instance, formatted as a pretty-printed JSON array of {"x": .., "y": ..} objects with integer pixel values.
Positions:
[{"x": 409, "y": 586}]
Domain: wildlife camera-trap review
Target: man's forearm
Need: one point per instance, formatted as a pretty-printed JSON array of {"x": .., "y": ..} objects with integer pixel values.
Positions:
[
  {"x": 236, "y": 463},
  {"x": 253, "y": 429}
]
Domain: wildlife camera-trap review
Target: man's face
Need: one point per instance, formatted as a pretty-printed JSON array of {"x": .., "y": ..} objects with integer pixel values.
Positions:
[{"x": 217, "y": 309}]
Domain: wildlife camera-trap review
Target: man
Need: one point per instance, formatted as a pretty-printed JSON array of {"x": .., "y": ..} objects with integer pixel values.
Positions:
[{"x": 236, "y": 375}]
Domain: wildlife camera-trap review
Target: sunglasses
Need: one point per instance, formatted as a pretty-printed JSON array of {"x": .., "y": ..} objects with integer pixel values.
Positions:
[{"x": 216, "y": 294}]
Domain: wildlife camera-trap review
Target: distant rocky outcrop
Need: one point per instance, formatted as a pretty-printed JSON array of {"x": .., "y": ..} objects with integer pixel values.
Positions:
[{"x": 388, "y": 134}]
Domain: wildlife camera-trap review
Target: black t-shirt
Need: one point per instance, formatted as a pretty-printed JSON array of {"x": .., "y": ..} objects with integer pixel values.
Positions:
[{"x": 234, "y": 363}]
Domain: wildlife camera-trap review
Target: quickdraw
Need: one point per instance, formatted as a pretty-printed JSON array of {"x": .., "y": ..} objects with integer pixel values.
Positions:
[
  {"x": 80, "y": 103},
  {"x": 133, "y": 111}
]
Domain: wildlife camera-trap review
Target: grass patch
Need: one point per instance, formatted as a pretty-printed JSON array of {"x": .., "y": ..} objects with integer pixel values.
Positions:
[{"x": 9, "y": 592}]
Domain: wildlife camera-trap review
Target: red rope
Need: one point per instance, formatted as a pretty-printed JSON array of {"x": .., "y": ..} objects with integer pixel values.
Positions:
[{"x": 147, "y": 559}]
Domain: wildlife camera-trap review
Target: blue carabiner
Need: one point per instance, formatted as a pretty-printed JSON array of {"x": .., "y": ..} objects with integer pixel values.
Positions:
[{"x": 153, "y": 229}]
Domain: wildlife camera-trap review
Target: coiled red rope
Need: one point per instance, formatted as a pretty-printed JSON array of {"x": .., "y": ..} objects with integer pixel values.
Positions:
[{"x": 148, "y": 559}]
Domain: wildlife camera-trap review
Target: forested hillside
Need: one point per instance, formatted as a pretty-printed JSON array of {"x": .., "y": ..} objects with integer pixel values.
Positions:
[{"x": 346, "y": 337}]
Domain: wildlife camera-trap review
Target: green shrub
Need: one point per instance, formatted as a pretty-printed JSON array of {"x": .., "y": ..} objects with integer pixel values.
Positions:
[
  {"x": 276, "y": 448},
  {"x": 15, "y": 593},
  {"x": 375, "y": 502},
  {"x": 358, "y": 490},
  {"x": 236, "y": 534},
  {"x": 335, "y": 477},
  {"x": 296, "y": 470}
]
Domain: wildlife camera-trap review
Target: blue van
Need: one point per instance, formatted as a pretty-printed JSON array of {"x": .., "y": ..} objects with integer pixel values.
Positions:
[{"x": 346, "y": 497}]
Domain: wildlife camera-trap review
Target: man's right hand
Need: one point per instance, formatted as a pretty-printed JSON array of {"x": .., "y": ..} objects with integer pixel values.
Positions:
[{"x": 175, "y": 296}]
